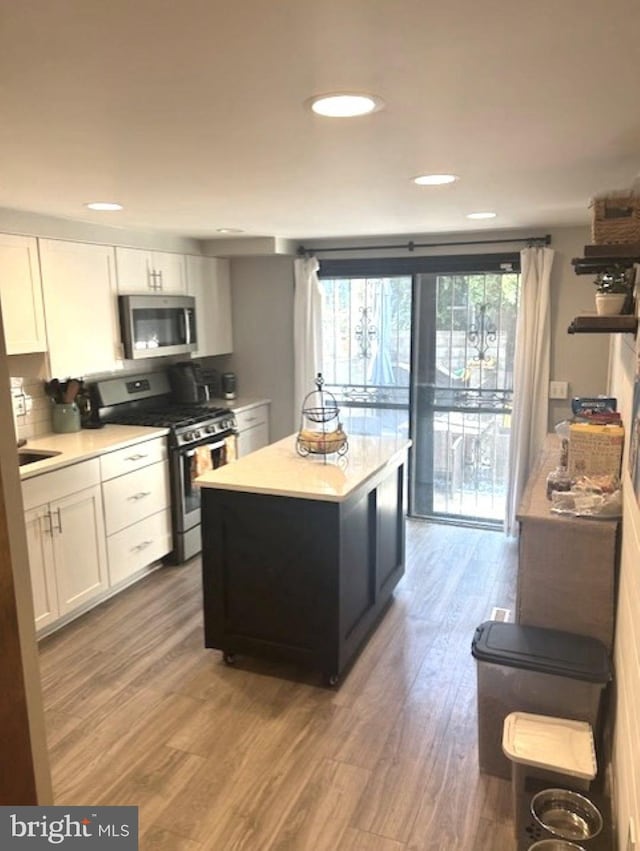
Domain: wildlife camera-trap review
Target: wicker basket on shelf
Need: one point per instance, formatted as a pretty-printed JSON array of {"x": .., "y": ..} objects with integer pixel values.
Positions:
[{"x": 615, "y": 218}]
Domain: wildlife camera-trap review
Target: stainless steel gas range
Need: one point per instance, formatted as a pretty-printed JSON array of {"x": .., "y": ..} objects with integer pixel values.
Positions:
[{"x": 201, "y": 437}]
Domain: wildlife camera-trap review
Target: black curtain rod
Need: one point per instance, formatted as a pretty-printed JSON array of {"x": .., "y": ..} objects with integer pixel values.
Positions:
[{"x": 411, "y": 246}]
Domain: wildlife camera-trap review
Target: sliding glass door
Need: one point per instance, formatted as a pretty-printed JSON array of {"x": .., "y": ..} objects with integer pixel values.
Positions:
[
  {"x": 366, "y": 333},
  {"x": 462, "y": 382},
  {"x": 424, "y": 347}
]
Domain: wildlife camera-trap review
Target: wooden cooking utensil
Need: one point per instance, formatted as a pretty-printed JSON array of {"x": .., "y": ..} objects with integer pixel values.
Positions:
[{"x": 71, "y": 391}]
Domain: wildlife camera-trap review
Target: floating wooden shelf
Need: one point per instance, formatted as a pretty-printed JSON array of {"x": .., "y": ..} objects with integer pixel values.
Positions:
[
  {"x": 598, "y": 258},
  {"x": 592, "y": 324}
]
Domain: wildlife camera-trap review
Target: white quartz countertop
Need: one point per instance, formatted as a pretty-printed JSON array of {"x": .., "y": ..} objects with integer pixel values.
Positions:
[
  {"x": 279, "y": 470},
  {"x": 84, "y": 444}
]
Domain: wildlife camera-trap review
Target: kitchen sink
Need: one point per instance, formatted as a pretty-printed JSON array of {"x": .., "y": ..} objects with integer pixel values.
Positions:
[{"x": 29, "y": 456}]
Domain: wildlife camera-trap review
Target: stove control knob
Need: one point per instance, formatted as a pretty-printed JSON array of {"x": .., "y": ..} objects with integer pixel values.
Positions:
[
  {"x": 187, "y": 436},
  {"x": 210, "y": 429},
  {"x": 195, "y": 434}
]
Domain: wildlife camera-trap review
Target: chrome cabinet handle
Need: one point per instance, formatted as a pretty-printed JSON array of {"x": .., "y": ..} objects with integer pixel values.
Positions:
[
  {"x": 141, "y": 546},
  {"x": 139, "y": 495},
  {"x": 49, "y": 520},
  {"x": 59, "y": 526},
  {"x": 137, "y": 457}
]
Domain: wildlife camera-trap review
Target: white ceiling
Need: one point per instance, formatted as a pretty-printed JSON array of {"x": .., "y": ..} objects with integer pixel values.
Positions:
[{"x": 192, "y": 113}]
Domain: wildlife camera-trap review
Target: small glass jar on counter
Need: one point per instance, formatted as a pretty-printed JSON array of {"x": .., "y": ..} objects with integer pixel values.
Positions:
[{"x": 558, "y": 480}]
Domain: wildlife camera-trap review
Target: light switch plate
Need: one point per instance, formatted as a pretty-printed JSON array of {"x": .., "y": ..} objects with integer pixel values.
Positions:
[{"x": 558, "y": 389}]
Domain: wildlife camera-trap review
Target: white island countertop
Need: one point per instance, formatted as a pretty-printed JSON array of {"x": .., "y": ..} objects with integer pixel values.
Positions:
[{"x": 278, "y": 470}]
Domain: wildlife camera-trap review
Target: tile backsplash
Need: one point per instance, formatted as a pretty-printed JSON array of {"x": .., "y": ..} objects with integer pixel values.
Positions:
[{"x": 31, "y": 407}]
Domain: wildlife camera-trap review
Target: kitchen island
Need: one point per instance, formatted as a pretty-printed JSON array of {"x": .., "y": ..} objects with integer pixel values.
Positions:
[{"x": 301, "y": 555}]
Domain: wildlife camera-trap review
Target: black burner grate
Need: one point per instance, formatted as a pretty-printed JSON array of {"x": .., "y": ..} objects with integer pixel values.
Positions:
[{"x": 177, "y": 416}]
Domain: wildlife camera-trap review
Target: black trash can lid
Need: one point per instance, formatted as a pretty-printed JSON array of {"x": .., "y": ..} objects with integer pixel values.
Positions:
[{"x": 547, "y": 651}]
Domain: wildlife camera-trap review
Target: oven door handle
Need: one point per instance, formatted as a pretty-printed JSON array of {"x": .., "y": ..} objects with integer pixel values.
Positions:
[{"x": 191, "y": 452}]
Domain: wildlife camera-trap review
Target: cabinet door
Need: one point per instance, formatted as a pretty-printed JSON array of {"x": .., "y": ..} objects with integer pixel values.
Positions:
[
  {"x": 170, "y": 271},
  {"x": 80, "y": 305},
  {"x": 21, "y": 295},
  {"x": 134, "y": 271},
  {"x": 208, "y": 282},
  {"x": 79, "y": 548},
  {"x": 43, "y": 581}
]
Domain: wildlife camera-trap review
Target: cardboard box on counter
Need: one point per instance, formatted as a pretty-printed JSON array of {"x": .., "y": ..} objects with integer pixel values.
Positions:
[{"x": 595, "y": 449}]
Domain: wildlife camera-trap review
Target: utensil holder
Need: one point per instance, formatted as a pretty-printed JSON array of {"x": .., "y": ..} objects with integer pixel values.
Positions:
[{"x": 65, "y": 418}]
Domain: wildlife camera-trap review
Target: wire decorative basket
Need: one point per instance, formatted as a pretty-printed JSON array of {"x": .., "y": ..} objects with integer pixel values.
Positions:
[{"x": 320, "y": 408}]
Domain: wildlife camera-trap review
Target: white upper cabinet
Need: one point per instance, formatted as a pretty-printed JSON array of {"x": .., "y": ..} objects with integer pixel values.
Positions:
[
  {"x": 78, "y": 284},
  {"x": 141, "y": 271},
  {"x": 208, "y": 280},
  {"x": 21, "y": 295}
]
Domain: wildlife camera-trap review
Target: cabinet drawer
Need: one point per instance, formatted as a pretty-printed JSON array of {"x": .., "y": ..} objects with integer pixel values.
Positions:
[
  {"x": 59, "y": 483},
  {"x": 252, "y": 438},
  {"x": 130, "y": 498},
  {"x": 131, "y": 458},
  {"x": 252, "y": 417},
  {"x": 139, "y": 545}
]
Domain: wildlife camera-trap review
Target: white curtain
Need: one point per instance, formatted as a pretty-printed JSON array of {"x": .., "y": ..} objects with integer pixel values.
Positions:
[
  {"x": 307, "y": 330},
  {"x": 530, "y": 375}
]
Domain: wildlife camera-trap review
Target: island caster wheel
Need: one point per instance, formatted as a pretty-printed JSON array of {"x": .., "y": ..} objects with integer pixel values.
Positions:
[
  {"x": 332, "y": 679},
  {"x": 229, "y": 658}
]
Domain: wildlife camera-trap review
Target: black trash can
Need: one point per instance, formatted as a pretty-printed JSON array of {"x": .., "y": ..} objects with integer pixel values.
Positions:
[{"x": 533, "y": 669}]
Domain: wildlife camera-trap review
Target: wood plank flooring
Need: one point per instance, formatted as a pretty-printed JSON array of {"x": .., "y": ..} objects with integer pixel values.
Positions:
[{"x": 262, "y": 757}]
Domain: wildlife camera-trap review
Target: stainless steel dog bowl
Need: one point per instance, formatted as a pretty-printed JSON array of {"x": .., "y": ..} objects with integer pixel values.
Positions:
[
  {"x": 566, "y": 814},
  {"x": 555, "y": 845}
]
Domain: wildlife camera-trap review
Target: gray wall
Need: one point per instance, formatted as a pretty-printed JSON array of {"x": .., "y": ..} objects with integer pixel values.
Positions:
[
  {"x": 262, "y": 292},
  {"x": 580, "y": 359},
  {"x": 262, "y": 309}
]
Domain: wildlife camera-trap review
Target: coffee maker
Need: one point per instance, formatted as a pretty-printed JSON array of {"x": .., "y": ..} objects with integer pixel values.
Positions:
[{"x": 188, "y": 386}]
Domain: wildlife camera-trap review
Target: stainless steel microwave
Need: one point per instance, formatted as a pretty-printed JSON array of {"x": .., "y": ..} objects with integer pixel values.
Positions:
[{"x": 155, "y": 325}]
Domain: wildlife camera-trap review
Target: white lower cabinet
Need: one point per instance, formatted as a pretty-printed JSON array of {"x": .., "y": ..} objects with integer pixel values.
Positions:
[
  {"x": 66, "y": 540},
  {"x": 38, "y": 523},
  {"x": 137, "y": 507},
  {"x": 253, "y": 429},
  {"x": 92, "y": 525},
  {"x": 79, "y": 549}
]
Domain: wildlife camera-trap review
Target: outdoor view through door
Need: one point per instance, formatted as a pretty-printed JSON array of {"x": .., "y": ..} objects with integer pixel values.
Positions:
[{"x": 430, "y": 356}]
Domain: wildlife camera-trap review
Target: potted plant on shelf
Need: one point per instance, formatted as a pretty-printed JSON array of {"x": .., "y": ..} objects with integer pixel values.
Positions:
[{"x": 614, "y": 290}]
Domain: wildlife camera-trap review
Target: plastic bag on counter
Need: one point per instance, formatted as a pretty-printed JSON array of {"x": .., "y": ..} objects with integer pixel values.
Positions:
[{"x": 580, "y": 502}]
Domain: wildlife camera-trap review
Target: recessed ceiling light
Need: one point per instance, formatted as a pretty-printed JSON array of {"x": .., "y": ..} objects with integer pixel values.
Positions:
[
  {"x": 482, "y": 215},
  {"x": 345, "y": 104},
  {"x": 229, "y": 230},
  {"x": 104, "y": 206},
  {"x": 435, "y": 179}
]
